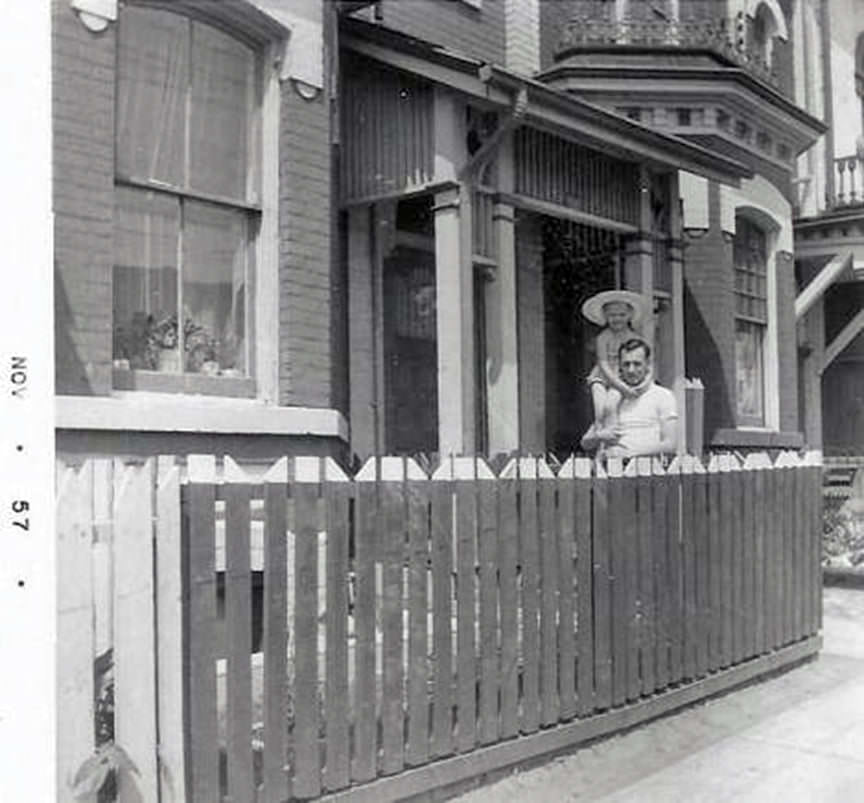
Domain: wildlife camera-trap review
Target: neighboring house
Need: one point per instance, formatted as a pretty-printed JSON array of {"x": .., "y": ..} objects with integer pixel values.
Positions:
[
  {"x": 829, "y": 227},
  {"x": 378, "y": 220}
]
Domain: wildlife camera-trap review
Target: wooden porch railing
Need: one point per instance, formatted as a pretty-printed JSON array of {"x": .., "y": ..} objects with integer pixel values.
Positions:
[
  {"x": 848, "y": 181},
  {"x": 411, "y": 621}
]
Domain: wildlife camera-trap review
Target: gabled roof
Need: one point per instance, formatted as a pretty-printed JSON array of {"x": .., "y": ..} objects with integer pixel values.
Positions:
[{"x": 547, "y": 108}]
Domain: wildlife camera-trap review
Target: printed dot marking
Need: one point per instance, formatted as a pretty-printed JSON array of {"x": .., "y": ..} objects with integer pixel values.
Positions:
[
  {"x": 20, "y": 448},
  {"x": 20, "y": 584}
]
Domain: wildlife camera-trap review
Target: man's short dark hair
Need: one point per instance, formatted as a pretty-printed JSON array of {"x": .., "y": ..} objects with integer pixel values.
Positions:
[{"x": 632, "y": 344}]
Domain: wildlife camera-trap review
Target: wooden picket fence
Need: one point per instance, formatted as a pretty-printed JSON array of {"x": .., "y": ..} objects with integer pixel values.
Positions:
[{"x": 417, "y": 631}]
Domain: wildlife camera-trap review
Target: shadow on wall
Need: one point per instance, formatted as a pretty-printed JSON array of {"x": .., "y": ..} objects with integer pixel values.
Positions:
[
  {"x": 704, "y": 361},
  {"x": 71, "y": 373}
]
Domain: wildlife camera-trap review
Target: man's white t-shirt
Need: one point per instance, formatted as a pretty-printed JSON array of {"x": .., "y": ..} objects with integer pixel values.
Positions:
[{"x": 639, "y": 419}]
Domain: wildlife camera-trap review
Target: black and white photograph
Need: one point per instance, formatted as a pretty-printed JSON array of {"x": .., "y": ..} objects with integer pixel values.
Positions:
[{"x": 424, "y": 400}]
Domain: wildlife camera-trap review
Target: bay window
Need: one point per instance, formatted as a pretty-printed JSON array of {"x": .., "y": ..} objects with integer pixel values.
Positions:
[{"x": 187, "y": 187}]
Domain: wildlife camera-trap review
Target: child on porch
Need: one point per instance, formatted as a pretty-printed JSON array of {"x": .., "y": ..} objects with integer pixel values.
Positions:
[{"x": 617, "y": 311}]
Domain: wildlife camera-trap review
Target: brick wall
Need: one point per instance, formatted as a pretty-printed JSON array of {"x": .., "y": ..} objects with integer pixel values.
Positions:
[
  {"x": 530, "y": 315},
  {"x": 478, "y": 32},
  {"x": 709, "y": 317},
  {"x": 83, "y": 163},
  {"x": 305, "y": 269}
]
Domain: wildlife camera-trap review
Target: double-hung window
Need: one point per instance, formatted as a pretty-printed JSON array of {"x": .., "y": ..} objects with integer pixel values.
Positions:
[
  {"x": 187, "y": 205},
  {"x": 751, "y": 320}
]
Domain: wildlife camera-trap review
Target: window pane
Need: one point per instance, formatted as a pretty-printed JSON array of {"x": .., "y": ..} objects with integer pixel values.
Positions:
[
  {"x": 749, "y": 372},
  {"x": 215, "y": 245},
  {"x": 152, "y": 68},
  {"x": 221, "y": 104},
  {"x": 145, "y": 277}
]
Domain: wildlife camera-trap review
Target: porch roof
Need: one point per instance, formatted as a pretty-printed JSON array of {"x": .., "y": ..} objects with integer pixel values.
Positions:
[{"x": 547, "y": 108}]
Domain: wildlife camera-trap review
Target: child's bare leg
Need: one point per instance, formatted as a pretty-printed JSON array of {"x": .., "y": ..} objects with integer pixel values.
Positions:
[
  {"x": 613, "y": 399},
  {"x": 598, "y": 396}
]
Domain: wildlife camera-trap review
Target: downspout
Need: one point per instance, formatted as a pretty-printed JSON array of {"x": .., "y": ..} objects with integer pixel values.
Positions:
[{"x": 828, "y": 101}]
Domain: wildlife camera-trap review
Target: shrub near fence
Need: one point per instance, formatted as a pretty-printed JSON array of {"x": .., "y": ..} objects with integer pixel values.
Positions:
[{"x": 411, "y": 622}]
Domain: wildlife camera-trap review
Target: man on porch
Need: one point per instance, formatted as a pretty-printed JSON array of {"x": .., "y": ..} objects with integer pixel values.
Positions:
[{"x": 647, "y": 422}]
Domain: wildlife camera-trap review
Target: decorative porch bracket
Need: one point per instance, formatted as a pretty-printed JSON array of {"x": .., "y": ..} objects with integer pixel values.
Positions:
[
  {"x": 843, "y": 339},
  {"x": 820, "y": 284}
]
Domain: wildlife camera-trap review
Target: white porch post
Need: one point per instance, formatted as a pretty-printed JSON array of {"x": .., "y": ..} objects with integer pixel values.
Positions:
[
  {"x": 814, "y": 329},
  {"x": 639, "y": 254},
  {"x": 676, "y": 264},
  {"x": 502, "y": 348},
  {"x": 454, "y": 285}
]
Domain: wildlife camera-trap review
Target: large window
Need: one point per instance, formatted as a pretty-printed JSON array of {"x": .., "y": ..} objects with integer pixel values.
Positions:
[
  {"x": 751, "y": 320},
  {"x": 187, "y": 196}
]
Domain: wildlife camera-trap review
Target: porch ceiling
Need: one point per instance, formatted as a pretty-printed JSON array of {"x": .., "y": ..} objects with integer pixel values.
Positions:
[{"x": 549, "y": 109}]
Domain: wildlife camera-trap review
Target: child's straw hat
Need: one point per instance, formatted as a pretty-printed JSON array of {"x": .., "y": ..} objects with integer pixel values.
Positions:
[{"x": 592, "y": 309}]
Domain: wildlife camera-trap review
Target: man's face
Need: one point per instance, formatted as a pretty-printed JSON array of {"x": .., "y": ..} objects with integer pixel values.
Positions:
[{"x": 634, "y": 366}]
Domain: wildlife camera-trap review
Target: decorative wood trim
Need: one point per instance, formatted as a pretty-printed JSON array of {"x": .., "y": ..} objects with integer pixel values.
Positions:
[
  {"x": 821, "y": 282},
  {"x": 843, "y": 339},
  {"x": 565, "y": 212}
]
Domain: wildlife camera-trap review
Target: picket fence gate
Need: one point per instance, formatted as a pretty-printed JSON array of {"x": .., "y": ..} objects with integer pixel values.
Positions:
[{"x": 303, "y": 634}]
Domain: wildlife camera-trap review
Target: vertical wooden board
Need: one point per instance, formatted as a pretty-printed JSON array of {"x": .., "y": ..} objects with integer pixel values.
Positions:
[
  {"x": 275, "y": 644},
  {"x": 170, "y": 611},
  {"x": 630, "y": 576},
  {"x": 364, "y": 767},
  {"x": 759, "y": 557},
  {"x": 566, "y": 594},
  {"x": 748, "y": 566},
  {"x": 584, "y": 596},
  {"x": 737, "y": 554},
  {"x": 691, "y": 617},
  {"x": 489, "y": 551},
  {"x": 202, "y": 734},
  {"x": 801, "y": 587},
  {"x": 702, "y": 570},
  {"x": 602, "y": 595},
  {"x": 715, "y": 552},
  {"x": 418, "y": 600},
  {"x": 676, "y": 586},
  {"x": 816, "y": 504},
  {"x": 788, "y": 552},
  {"x": 662, "y": 582},
  {"x": 773, "y": 559},
  {"x": 549, "y": 562},
  {"x": 727, "y": 524},
  {"x": 337, "y": 500},
  {"x": 392, "y": 499},
  {"x": 238, "y": 641},
  {"x": 307, "y": 769},
  {"x": 529, "y": 551},
  {"x": 508, "y": 594},
  {"x": 442, "y": 579},
  {"x": 75, "y": 733},
  {"x": 618, "y": 519},
  {"x": 466, "y": 606},
  {"x": 779, "y": 528},
  {"x": 645, "y": 579}
]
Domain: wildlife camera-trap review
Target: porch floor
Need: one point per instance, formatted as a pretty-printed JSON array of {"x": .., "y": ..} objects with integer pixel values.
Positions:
[{"x": 795, "y": 737}]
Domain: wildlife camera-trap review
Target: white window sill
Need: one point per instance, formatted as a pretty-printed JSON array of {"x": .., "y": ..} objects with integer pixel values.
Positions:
[{"x": 170, "y": 412}]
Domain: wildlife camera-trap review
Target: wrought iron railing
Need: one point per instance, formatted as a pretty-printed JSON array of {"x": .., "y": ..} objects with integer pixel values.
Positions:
[{"x": 729, "y": 37}]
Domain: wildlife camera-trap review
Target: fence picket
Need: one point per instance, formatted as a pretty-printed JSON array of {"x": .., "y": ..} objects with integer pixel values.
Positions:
[
  {"x": 337, "y": 500},
  {"x": 748, "y": 563},
  {"x": 584, "y": 587},
  {"x": 619, "y": 526},
  {"x": 74, "y": 740},
  {"x": 728, "y": 518},
  {"x": 418, "y": 602},
  {"x": 602, "y": 592},
  {"x": 549, "y": 563},
  {"x": 529, "y": 553},
  {"x": 466, "y": 610},
  {"x": 203, "y": 732},
  {"x": 715, "y": 538},
  {"x": 275, "y": 785},
  {"x": 688, "y": 540},
  {"x": 700, "y": 534},
  {"x": 630, "y": 576},
  {"x": 673, "y": 542},
  {"x": 662, "y": 582},
  {"x": 508, "y": 591},
  {"x": 736, "y": 609},
  {"x": 307, "y": 762},
  {"x": 238, "y": 634},
  {"x": 760, "y": 516},
  {"x": 566, "y": 591},
  {"x": 364, "y": 767},
  {"x": 788, "y": 551},
  {"x": 645, "y": 574},
  {"x": 393, "y": 512},
  {"x": 488, "y": 551},
  {"x": 775, "y": 559},
  {"x": 801, "y": 564},
  {"x": 442, "y": 579}
]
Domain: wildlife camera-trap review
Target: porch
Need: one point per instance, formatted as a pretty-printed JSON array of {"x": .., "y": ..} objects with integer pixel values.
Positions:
[{"x": 305, "y": 633}]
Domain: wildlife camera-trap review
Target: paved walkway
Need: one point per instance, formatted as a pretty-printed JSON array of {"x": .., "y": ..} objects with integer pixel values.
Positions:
[{"x": 796, "y": 737}]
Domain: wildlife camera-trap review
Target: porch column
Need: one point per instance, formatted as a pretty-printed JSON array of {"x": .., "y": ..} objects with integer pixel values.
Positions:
[
  {"x": 639, "y": 255},
  {"x": 811, "y": 367},
  {"x": 502, "y": 344},
  {"x": 676, "y": 265},
  {"x": 361, "y": 333},
  {"x": 454, "y": 281}
]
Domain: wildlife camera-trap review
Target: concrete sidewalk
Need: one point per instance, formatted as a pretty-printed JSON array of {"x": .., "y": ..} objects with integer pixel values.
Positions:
[{"x": 796, "y": 737}]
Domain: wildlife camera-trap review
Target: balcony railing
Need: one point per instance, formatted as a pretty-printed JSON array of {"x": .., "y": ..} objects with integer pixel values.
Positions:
[
  {"x": 848, "y": 181},
  {"x": 729, "y": 37}
]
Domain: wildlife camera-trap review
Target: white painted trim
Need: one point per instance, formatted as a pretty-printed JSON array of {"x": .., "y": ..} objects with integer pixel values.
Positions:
[
  {"x": 847, "y": 334},
  {"x": 821, "y": 282},
  {"x": 168, "y": 412}
]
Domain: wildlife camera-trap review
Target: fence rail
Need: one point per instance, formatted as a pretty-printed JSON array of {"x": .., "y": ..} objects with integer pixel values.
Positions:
[{"x": 406, "y": 620}]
